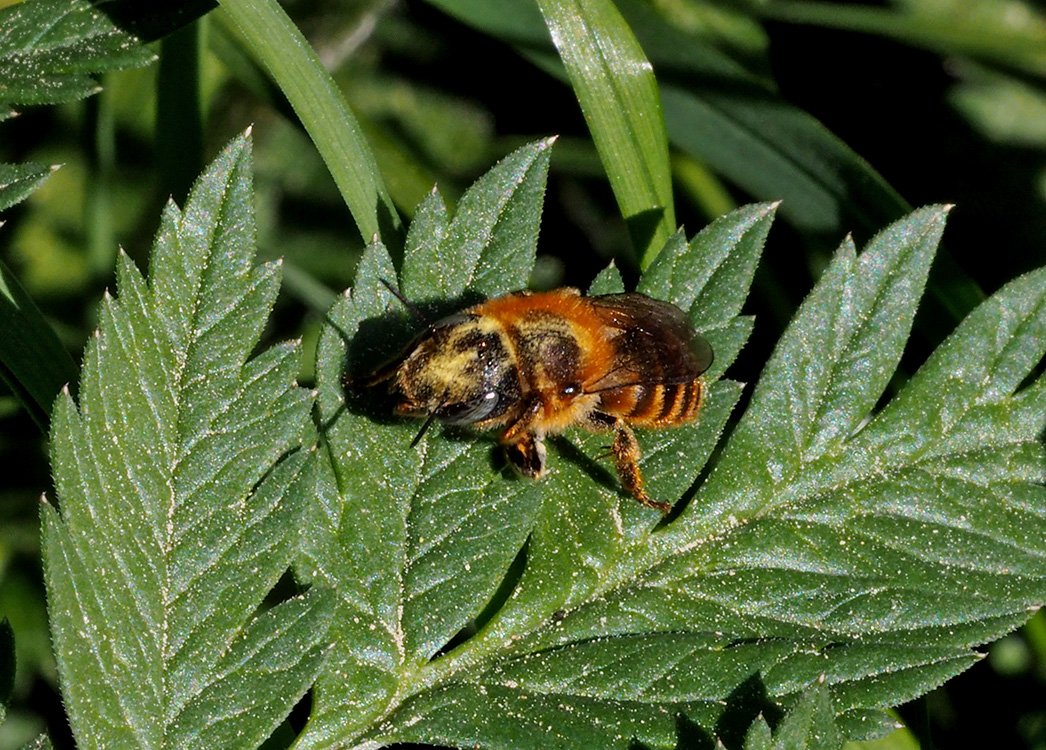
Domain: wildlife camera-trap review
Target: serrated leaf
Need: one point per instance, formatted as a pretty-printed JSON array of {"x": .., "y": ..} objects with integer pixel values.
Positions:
[
  {"x": 182, "y": 483},
  {"x": 607, "y": 281},
  {"x": 833, "y": 362},
  {"x": 413, "y": 569},
  {"x": 42, "y": 742},
  {"x": 50, "y": 48},
  {"x": 458, "y": 522},
  {"x": 864, "y": 552},
  {"x": 810, "y": 724},
  {"x": 490, "y": 245},
  {"x": 18, "y": 181}
]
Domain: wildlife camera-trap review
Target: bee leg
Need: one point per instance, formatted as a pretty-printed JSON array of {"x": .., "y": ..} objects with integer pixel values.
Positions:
[
  {"x": 626, "y": 458},
  {"x": 527, "y": 455},
  {"x": 518, "y": 430}
]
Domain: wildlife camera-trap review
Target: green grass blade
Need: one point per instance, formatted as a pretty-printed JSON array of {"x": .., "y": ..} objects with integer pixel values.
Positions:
[
  {"x": 978, "y": 29},
  {"x": 297, "y": 70},
  {"x": 33, "y": 362},
  {"x": 615, "y": 84}
]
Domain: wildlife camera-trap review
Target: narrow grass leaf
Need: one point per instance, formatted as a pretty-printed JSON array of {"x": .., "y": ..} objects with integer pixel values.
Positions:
[
  {"x": 716, "y": 111},
  {"x": 615, "y": 84},
  {"x": 33, "y": 362},
  {"x": 980, "y": 31},
  {"x": 297, "y": 70},
  {"x": 182, "y": 484}
]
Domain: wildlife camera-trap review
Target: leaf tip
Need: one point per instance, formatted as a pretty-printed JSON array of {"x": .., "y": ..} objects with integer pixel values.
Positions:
[
  {"x": 56, "y": 167},
  {"x": 548, "y": 142},
  {"x": 249, "y": 131}
]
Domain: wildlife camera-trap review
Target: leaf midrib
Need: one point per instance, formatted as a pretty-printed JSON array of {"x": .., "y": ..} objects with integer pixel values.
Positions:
[{"x": 178, "y": 380}]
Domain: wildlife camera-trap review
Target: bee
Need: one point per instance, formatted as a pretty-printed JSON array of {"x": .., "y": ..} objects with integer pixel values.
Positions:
[{"x": 532, "y": 364}]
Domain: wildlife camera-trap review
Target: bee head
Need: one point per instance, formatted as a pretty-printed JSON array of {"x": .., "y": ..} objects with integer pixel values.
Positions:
[{"x": 459, "y": 371}]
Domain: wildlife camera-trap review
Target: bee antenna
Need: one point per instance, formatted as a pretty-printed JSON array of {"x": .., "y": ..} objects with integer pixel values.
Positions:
[
  {"x": 424, "y": 427},
  {"x": 411, "y": 307}
]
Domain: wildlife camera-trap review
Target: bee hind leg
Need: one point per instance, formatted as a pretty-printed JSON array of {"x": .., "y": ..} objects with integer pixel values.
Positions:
[{"x": 625, "y": 450}]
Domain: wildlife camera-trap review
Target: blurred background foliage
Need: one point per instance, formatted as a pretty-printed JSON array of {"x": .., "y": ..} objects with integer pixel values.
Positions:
[{"x": 944, "y": 99}]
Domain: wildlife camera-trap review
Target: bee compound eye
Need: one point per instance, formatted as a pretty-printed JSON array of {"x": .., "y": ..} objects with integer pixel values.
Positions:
[{"x": 473, "y": 410}]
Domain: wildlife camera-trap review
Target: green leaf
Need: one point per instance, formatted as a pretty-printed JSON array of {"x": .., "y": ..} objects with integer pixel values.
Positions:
[
  {"x": 973, "y": 28},
  {"x": 50, "y": 48},
  {"x": 831, "y": 365},
  {"x": 413, "y": 571},
  {"x": 278, "y": 44},
  {"x": 415, "y": 568},
  {"x": 18, "y": 181},
  {"x": 42, "y": 742},
  {"x": 183, "y": 485},
  {"x": 810, "y": 724},
  {"x": 490, "y": 246},
  {"x": 615, "y": 84},
  {"x": 863, "y": 551},
  {"x": 719, "y": 113},
  {"x": 33, "y": 362}
]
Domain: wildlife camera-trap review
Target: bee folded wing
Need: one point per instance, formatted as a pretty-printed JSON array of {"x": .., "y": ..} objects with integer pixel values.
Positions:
[{"x": 655, "y": 345}]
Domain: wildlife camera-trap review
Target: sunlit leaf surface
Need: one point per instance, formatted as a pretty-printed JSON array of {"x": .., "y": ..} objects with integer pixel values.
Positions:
[
  {"x": 181, "y": 486},
  {"x": 860, "y": 549}
]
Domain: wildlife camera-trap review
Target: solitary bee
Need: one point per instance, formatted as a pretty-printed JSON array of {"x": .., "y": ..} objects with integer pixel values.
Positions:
[{"x": 533, "y": 364}]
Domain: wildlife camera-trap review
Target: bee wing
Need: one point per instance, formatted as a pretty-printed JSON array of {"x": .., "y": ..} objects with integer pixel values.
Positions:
[{"x": 656, "y": 343}]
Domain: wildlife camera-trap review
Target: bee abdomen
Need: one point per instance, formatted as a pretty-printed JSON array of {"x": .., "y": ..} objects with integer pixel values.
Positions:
[{"x": 659, "y": 405}]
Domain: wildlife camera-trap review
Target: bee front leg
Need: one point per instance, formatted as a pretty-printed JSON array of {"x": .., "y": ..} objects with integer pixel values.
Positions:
[
  {"x": 625, "y": 450},
  {"x": 527, "y": 456},
  {"x": 525, "y": 448}
]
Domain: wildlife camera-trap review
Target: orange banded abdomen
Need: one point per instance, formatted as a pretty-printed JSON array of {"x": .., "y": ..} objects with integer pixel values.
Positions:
[{"x": 654, "y": 404}]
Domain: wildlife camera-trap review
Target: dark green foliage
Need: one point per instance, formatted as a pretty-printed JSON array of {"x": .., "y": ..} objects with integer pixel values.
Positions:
[{"x": 182, "y": 481}]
